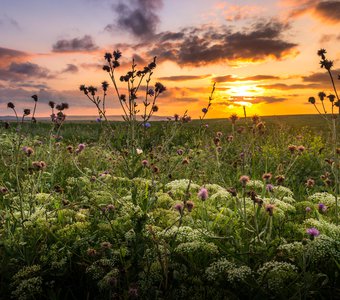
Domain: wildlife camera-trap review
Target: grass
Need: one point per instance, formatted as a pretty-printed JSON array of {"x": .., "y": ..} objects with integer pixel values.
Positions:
[{"x": 94, "y": 215}]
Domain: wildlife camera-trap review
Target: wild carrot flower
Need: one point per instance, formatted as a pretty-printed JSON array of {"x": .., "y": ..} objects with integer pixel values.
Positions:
[
  {"x": 203, "y": 194},
  {"x": 219, "y": 134},
  {"x": 139, "y": 151}
]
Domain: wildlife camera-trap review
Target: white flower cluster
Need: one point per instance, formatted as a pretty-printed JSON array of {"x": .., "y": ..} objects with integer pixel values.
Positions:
[
  {"x": 291, "y": 249},
  {"x": 276, "y": 275},
  {"x": 288, "y": 199},
  {"x": 179, "y": 187},
  {"x": 280, "y": 205},
  {"x": 255, "y": 184},
  {"x": 98, "y": 269},
  {"x": 214, "y": 188},
  {"x": 323, "y": 249},
  {"x": 164, "y": 200},
  {"x": 220, "y": 197},
  {"x": 225, "y": 269},
  {"x": 325, "y": 198},
  {"x": 183, "y": 234},
  {"x": 282, "y": 191},
  {"x": 43, "y": 198},
  {"x": 324, "y": 227},
  {"x": 197, "y": 248}
]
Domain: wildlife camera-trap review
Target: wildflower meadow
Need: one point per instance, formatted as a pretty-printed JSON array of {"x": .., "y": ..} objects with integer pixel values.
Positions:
[{"x": 245, "y": 207}]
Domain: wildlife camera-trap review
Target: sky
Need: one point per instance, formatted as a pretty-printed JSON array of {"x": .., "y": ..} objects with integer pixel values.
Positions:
[{"x": 261, "y": 54}]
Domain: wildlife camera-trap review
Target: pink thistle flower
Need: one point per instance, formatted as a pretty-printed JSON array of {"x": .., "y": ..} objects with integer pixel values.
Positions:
[
  {"x": 179, "y": 207},
  {"x": 322, "y": 208},
  {"x": 269, "y": 209},
  {"x": 190, "y": 205},
  {"x": 313, "y": 232},
  {"x": 244, "y": 179},
  {"x": 203, "y": 194}
]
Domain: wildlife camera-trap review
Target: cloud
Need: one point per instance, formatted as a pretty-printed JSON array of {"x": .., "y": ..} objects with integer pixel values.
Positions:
[
  {"x": 19, "y": 73},
  {"x": 231, "y": 78},
  {"x": 251, "y": 100},
  {"x": 283, "y": 86},
  {"x": 33, "y": 85},
  {"x": 9, "y": 55},
  {"x": 139, "y": 17},
  {"x": 29, "y": 69},
  {"x": 240, "y": 12},
  {"x": 183, "y": 77},
  {"x": 84, "y": 44},
  {"x": 328, "y": 11},
  {"x": 206, "y": 45},
  {"x": 320, "y": 77},
  {"x": 8, "y": 22},
  {"x": 70, "y": 68}
]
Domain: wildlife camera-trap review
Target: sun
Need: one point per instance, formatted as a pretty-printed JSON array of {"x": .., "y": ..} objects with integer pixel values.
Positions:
[{"x": 246, "y": 91}]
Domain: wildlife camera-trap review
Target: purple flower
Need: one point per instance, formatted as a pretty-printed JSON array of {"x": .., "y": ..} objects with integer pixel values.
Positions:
[
  {"x": 203, "y": 194},
  {"x": 80, "y": 148},
  {"x": 308, "y": 209},
  {"x": 98, "y": 120},
  {"x": 204, "y": 110},
  {"x": 180, "y": 152},
  {"x": 313, "y": 232},
  {"x": 270, "y": 188},
  {"x": 179, "y": 207},
  {"x": 147, "y": 125},
  {"x": 322, "y": 207}
]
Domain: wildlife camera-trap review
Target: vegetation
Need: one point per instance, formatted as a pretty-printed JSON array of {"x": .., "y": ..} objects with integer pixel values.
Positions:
[{"x": 220, "y": 209}]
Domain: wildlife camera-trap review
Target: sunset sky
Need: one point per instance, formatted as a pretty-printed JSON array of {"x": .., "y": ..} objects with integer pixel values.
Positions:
[{"x": 259, "y": 52}]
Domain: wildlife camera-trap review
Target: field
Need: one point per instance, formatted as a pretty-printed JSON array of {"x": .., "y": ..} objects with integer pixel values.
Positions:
[{"x": 183, "y": 210}]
